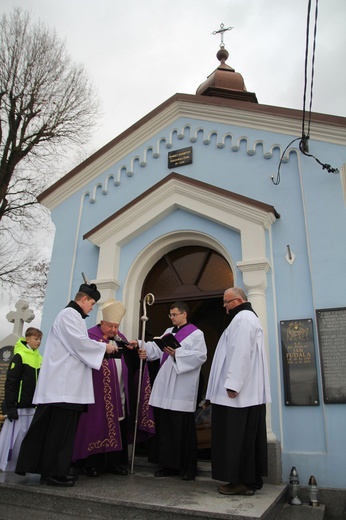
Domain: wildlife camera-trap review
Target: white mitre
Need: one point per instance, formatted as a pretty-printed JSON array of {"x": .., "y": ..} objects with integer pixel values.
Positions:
[{"x": 113, "y": 311}]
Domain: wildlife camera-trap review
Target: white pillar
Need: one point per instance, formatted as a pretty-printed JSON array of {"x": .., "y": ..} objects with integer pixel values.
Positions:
[{"x": 255, "y": 282}]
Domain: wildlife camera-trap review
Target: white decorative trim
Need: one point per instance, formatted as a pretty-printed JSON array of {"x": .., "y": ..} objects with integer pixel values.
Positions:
[
  {"x": 149, "y": 256},
  {"x": 261, "y": 264},
  {"x": 162, "y": 201},
  {"x": 247, "y": 219},
  {"x": 110, "y": 284},
  {"x": 215, "y": 114},
  {"x": 108, "y": 288}
]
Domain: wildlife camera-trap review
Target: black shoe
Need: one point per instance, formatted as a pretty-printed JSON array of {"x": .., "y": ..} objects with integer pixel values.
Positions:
[
  {"x": 57, "y": 481},
  {"x": 118, "y": 470},
  {"x": 92, "y": 472},
  {"x": 72, "y": 477},
  {"x": 166, "y": 472},
  {"x": 235, "y": 489},
  {"x": 188, "y": 475}
]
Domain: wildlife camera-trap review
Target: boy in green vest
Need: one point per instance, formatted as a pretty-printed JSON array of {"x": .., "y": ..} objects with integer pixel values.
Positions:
[{"x": 20, "y": 386}]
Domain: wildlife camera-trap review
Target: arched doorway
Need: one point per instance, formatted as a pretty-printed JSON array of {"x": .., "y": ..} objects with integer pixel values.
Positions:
[{"x": 197, "y": 275}]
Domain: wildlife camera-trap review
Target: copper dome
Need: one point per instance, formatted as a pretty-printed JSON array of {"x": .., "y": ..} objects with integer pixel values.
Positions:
[{"x": 225, "y": 82}]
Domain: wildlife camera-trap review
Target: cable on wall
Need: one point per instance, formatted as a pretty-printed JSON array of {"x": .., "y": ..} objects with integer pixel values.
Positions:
[{"x": 306, "y": 121}]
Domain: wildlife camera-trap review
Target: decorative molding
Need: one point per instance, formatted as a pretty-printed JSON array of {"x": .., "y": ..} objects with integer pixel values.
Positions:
[
  {"x": 220, "y": 207},
  {"x": 107, "y": 283},
  {"x": 260, "y": 264},
  {"x": 108, "y": 288},
  {"x": 220, "y": 143},
  {"x": 149, "y": 255},
  {"x": 238, "y": 117}
]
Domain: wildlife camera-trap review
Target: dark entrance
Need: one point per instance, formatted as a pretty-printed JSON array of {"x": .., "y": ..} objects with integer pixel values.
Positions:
[{"x": 199, "y": 276}]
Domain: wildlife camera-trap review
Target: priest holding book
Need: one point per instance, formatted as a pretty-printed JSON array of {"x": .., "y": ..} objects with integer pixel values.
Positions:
[{"x": 174, "y": 393}]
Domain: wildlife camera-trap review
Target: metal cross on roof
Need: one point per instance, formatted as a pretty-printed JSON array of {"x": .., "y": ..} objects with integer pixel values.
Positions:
[{"x": 221, "y": 31}]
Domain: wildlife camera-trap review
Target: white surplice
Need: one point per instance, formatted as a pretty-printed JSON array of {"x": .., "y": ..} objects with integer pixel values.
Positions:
[
  {"x": 69, "y": 356},
  {"x": 240, "y": 364},
  {"x": 176, "y": 384}
]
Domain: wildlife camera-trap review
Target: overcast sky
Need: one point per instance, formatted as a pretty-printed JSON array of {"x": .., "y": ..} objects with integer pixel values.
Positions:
[{"x": 139, "y": 53}]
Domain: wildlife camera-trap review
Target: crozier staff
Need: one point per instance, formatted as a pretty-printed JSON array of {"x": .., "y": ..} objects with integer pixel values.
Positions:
[{"x": 64, "y": 389}]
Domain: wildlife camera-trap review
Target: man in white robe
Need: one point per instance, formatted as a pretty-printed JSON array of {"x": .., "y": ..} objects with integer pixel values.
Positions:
[
  {"x": 174, "y": 395},
  {"x": 238, "y": 389},
  {"x": 63, "y": 390}
]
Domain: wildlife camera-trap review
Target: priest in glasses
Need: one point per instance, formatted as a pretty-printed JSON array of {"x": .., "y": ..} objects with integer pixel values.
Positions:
[{"x": 182, "y": 351}]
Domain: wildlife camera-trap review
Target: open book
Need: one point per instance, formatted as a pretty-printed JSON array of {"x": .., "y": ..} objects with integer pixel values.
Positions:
[{"x": 167, "y": 341}]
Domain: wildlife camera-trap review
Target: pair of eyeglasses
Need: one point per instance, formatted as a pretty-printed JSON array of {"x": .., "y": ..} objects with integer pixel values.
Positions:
[
  {"x": 174, "y": 314},
  {"x": 229, "y": 301}
]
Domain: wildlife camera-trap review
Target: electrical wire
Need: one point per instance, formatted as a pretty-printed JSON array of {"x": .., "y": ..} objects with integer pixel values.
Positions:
[
  {"x": 277, "y": 180},
  {"x": 303, "y": 144},
  {"x": 306, "y": 65}
]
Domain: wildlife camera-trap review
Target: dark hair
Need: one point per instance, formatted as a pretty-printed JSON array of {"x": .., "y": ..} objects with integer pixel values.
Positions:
[
  {"x": 182, "y": 306},
  {"x": 31, "y": 331}
]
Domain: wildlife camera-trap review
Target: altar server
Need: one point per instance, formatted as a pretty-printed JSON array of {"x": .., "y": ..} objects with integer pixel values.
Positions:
[
  {"x": 64, "y": 389},
  {"x": 238, "y": 389}
]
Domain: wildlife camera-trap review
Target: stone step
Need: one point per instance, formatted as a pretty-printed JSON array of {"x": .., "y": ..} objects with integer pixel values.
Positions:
[{"x": 139, "y": 496}]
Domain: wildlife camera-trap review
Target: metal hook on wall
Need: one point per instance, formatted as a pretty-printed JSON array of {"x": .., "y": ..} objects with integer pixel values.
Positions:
[{"x": 290, "y": 256}]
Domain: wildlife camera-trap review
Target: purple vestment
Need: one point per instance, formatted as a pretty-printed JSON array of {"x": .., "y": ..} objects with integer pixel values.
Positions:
[{"x": 98, "y": 430}]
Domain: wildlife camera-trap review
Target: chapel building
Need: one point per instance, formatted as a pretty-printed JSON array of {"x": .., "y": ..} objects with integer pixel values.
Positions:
[{"x": 188, "y": 202}]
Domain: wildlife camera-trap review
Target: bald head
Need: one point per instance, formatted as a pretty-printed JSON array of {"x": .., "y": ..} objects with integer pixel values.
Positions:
[{"x": 233, "y": 297}]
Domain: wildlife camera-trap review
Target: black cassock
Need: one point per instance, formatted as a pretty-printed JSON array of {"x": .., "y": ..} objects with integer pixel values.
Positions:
[
  {"x": 239, "y": 445},
  {"x": 47, "y": 446}
]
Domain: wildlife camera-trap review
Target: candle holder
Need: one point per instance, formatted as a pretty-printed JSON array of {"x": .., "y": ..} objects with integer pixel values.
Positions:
[
  {"x": 313, "y": 492},
  {"x": 294, "y": 488}
]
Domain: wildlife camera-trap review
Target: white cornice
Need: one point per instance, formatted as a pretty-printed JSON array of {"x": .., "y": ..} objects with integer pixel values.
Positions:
[
  {"x": 261, "y": 264},
  {"x": 218, "y": 207},
  {"x": 239, "y": 117},
  {"x": 258, "y": 120}
]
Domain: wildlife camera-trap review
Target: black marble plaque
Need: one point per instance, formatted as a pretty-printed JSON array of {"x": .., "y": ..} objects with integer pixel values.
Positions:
[
  {"x": 331, "y": 326},
  {"x": 299, "y": 363},
  {"x": 180, "y": 157}
]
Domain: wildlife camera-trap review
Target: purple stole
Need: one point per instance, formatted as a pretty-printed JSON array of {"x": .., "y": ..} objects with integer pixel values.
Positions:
[{"x": 182, "y": 333}]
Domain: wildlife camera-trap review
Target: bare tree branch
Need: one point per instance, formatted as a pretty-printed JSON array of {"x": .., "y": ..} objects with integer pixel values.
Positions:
[
  {"x": 24, "y": 256},
  {"x": 47, "y": 105},
  {"x": 45, "y": 101}
]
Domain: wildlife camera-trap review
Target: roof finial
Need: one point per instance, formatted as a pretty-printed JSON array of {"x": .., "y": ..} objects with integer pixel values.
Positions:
[{"x": 221, "y": 31}]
